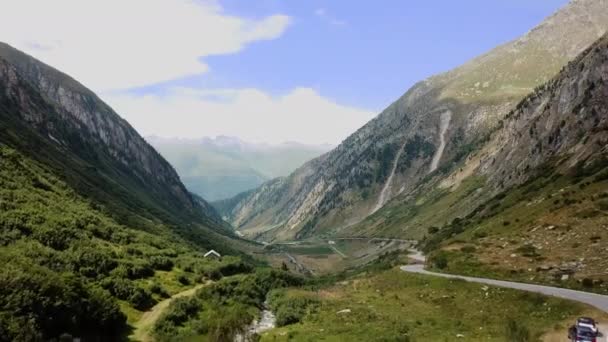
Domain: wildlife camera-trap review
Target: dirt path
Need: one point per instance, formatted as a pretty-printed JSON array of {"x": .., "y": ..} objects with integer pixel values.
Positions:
[{"x": 143, "y": 327}]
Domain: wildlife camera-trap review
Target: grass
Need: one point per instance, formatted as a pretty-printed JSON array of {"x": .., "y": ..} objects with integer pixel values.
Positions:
[
  {"x": 395, "y": 306},
  {"x": 548, "y": 222},
  {"x": 413, "y": 218},
  {"x": 310, "y": 250}
]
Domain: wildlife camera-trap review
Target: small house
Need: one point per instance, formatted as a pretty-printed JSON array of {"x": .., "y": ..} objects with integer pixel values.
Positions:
[{"x": 213, "y": 255}]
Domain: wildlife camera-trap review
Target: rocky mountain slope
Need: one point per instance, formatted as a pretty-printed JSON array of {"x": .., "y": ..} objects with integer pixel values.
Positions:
[
  {"x": 223, "y": 167},
  {"x": 73, "y": 119},
  {"x": 425, "y": 134},
  {"x": 539, "y": 210}
]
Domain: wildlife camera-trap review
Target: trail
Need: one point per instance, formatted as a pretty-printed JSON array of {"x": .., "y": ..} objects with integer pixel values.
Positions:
[
  {"x": 443, "y": 128},
  {"x": 144, "y": 326},
  {"x": 387, "y": 186}
]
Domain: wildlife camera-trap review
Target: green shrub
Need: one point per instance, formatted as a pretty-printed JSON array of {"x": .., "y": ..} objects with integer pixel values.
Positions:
[
  {"x": 223, "y": 308},
  {"x": 528, "y": 251},
  {"x": 290, "y": 309},
  {"x": 516, "y": 332},
  {"x": 40, "y": 304},
  {"x": 161, "y": 263},
  {"x": 468, "y": 249},
  {"x": 182, "y": 279},
  {"x": 440, "y": 260}
]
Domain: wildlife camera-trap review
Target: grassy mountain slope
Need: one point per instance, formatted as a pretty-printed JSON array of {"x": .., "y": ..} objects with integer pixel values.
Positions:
[
  {"x": 427, "y": 132},
  {"x": 95, "y": 225},
  {"x": 71, "y": 268}
]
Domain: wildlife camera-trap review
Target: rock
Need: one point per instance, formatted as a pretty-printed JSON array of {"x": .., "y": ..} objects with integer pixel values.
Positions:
[
  {"x": 459, "y": 335},
  {"x": 544, "y": 268},
  {"x": 345, "y": 311},
  {"x": 565, "y": 277},
  {"x": 513, "y": 255}
]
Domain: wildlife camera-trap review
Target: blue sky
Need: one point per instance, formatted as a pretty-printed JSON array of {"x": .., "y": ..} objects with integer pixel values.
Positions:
[
  {"x": 263, "y": 70},
  {"x": 366, "y": 54}
]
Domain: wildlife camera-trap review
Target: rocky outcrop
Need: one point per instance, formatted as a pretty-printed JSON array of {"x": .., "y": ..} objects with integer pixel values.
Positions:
[
  {"x": 344, "y": 186},
  {"x": 565, "y": 120}
]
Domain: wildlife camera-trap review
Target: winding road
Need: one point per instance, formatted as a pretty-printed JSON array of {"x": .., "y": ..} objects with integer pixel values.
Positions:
[
  {"x": 596, "y": 300},
  {"x": 593, "y": 299}
]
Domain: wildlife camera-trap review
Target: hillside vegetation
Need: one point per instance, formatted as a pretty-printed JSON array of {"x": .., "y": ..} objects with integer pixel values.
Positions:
[
  {"x": 95, "y": 226},
  {"x": 382, "y": 303},
  {"x": 70, "y": 267}
]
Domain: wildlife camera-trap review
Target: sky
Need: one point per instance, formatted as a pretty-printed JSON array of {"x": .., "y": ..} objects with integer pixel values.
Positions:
[{"x": 267, "y": 71}]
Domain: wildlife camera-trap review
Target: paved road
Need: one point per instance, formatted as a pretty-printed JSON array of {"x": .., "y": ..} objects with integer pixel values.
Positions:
[
  {"x": 377, "y": 239},
  {"x": 596, "y": 300}
]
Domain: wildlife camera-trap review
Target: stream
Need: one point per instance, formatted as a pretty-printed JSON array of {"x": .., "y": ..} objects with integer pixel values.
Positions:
[{"x": 266, "y": 322}]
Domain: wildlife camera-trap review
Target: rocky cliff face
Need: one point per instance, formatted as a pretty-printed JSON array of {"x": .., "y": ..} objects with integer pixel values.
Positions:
[
  {"x": 565, "y": 120},
  {"x": 76, "y": 121},
  {"x": 424, "y": 133}
]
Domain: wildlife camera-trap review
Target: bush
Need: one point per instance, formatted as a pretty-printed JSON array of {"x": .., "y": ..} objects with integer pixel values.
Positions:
[
  {"x": 161, "y": 263},
  {"x": 440, "y": 260},
  {"x": 528, "y": 251},
  {"x": 480, "y": 234},
  {"x": 468, "y": 249},
  {"x": 182, "y": 279},
  {"x": 38, "y": 304},
  {"x": 126, "y": 290},
  {"x": 223, "y": 308},
  {"x": 516, "y": 331},
  {"x": 156, "y": 288},
  {"x": 290, "y": 309}
]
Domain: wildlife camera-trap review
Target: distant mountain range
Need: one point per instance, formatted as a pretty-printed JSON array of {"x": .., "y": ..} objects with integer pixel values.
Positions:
[{"x": 221, "y": 167}]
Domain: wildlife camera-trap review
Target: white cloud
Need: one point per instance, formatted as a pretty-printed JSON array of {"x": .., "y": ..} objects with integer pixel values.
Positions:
[
  {"x": 302, "y": 115},
  {"x": 119, "y": 44}
]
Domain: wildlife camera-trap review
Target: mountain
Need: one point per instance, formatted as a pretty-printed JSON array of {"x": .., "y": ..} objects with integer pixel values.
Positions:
[
  {"x": 531, "y": 203},
  {"x": 422, "y": 136},
  {"x": 81, "y": 123},
  {"x": 95, "y": 225},
  {"x": 223, "y": 167}
]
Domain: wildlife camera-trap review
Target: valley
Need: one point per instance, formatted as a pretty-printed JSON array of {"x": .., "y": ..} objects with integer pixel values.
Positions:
[{"x": 472, "y": 208}]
